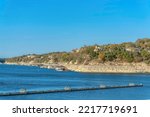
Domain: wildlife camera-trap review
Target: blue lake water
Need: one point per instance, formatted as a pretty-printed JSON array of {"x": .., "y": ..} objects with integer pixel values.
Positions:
[{"x": 14, "y": 78}]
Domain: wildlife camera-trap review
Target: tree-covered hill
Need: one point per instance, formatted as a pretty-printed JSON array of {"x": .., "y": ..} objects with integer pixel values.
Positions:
[{"x": 138, "y": 51}]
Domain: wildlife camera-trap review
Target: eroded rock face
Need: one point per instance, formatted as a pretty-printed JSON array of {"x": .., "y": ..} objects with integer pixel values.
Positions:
[{"x": 112, "y": 68}]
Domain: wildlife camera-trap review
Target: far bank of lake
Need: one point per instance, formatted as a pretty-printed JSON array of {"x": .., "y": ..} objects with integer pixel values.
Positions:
[{"x": 109, "y": 67}]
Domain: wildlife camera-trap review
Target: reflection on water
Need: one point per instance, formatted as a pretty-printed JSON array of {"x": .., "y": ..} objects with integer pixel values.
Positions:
[{"x": 14, "y": 78}]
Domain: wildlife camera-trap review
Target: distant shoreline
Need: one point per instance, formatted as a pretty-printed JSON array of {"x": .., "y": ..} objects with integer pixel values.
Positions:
[
  {"x": 111, "y": 68},
  {"x": 127, "y": 57},
  {"x": 115, "y": 68}
]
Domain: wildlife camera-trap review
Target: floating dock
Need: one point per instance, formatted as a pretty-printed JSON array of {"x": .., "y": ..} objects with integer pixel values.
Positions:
[{"x": 67, "y": 89}]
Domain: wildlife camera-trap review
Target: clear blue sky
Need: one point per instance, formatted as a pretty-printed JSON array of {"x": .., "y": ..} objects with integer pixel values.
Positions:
[{"x": 41, "y": 26}]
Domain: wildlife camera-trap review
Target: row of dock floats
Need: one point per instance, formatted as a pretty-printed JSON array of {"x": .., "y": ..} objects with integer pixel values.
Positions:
[
  {"x": 103, "y": 87},
  {"x": 121, "y": 86},
  {"x": 68, "y": 89}
]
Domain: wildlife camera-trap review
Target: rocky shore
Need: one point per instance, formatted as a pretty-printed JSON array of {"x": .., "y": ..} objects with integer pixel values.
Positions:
[
  {"x": 108, "y": 67},
  {"x": 41, "y": 65},
  {"x": 111, "y": 68}
]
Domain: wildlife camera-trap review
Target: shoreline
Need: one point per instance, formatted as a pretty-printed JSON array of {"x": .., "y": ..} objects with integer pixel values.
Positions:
[{"x": 112, "y": 68}]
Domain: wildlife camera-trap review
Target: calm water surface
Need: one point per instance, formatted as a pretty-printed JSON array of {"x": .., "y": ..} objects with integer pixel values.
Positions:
[{"x": 14, "y": 78}]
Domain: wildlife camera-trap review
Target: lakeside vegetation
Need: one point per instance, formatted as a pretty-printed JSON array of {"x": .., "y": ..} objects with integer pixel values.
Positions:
[
  {"x": 129, "y": 52},
  {"x": 2, "y": 60}
]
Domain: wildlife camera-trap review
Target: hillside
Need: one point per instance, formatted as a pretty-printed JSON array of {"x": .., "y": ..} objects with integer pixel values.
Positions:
[{"x": 127, "y": 52}]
